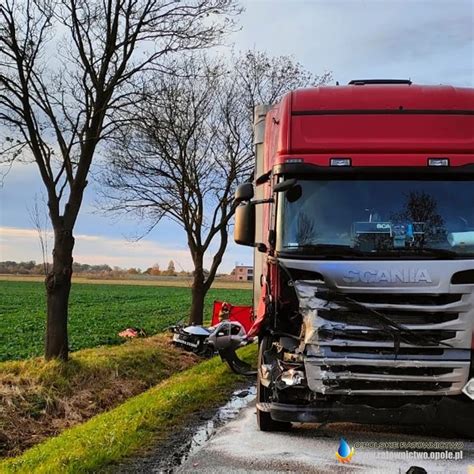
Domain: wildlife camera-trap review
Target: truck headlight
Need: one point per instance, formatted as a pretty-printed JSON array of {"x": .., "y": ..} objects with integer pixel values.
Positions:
[
  {"x": 469, "y": 389},
  {"x": 293, "y": 377}
]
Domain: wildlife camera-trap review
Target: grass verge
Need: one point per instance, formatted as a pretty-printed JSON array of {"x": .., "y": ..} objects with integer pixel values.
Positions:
[
  {"x": 39, "y": 399},
  {"x": 134, "y": 425}
]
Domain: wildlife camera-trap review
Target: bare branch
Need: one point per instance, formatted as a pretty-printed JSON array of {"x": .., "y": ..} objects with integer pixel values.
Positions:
[
  {"x": 190, "y": 143},
  {"x": 39, "y": 219},
  {"x": 67, "y": 69}
]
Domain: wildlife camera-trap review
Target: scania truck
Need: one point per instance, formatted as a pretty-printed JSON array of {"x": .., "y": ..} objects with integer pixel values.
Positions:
[{"x": 361, "y": 215}]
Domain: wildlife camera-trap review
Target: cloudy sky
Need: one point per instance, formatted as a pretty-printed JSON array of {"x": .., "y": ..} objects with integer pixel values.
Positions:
[{"x": 429, "y": 41}]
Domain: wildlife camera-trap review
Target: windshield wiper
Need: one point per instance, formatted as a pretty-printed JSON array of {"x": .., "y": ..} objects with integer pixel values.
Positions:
[
  {"x": 435, "y": 252},
  {"x": 335, "y": 250},
  {"x": 324, "y": 250},
  {"x": 427, "y": 252}
]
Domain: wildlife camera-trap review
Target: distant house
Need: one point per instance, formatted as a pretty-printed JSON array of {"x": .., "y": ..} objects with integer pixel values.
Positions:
[{"x": 242, "y": 273}]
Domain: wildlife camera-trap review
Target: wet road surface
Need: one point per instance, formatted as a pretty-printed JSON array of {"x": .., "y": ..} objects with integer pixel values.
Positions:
[{"x": 238, "y": 446}]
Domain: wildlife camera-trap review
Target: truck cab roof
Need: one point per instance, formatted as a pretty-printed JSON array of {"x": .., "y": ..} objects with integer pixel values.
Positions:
[
  {"x": 361, "y": 96},
  {"x": 374, "y": 124}
]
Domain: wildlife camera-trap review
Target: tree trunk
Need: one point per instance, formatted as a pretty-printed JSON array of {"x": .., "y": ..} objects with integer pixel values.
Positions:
[
  {"x": 198, "y": 295},
  {"x": 58, "y": 286}
]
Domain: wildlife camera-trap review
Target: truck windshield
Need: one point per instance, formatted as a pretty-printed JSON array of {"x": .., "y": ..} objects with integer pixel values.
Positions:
[{"x": 381, "y": 219}]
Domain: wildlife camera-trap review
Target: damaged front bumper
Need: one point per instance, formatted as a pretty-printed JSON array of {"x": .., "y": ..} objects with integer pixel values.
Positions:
[{"x": 451, "y": 413}]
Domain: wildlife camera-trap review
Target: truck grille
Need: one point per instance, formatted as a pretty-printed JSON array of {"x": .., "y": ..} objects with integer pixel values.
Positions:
[
  {"x": 387, "y": 370},
  {"x": 352, "y": 335},
  {"x": 386, "y": 377},
  {"x": 392, "y": 351},
  {"x": 409, "y": 318},
  {"x": 413, "y": 299},
  {"x": 351, "y": 352},
  {"x": 385, "y": 385}
]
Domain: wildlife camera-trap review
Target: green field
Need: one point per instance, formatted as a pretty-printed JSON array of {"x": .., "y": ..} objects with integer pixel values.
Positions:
[{"x": 97, "y": 313}]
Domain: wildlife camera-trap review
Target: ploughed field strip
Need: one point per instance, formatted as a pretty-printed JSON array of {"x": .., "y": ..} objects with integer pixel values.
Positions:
[{"x": 97, "y": 313}]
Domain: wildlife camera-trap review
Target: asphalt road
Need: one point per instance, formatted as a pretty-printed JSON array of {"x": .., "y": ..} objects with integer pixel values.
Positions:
[{"x": 239, "y": 447}]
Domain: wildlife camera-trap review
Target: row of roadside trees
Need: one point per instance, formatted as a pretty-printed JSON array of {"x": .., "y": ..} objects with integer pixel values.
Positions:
[
  {"x": 102, "y": 271},
  {"x": 124, "y": 88}
]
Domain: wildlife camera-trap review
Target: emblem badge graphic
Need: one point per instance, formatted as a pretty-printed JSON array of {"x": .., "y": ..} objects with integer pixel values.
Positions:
[{"x": 345, "y": 452}]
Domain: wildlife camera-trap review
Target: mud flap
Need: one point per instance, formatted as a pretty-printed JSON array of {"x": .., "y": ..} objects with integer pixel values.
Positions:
[{"x": 237, "y": 365}]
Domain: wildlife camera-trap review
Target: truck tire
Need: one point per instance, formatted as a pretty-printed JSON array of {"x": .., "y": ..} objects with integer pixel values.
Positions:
[{"x": 264, "y": 419}]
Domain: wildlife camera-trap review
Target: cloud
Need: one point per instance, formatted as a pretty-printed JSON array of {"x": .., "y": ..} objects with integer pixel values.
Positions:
[
  {"x": 21, "y": 244},
  {"x": 430, "y": 41}
]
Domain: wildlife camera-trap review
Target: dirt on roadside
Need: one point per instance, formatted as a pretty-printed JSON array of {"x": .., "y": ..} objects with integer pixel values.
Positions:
[
  {"x": 40, "y": 399},
  {"x": 169, "y": 454}
]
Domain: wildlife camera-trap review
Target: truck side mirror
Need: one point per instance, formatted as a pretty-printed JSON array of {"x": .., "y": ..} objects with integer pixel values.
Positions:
[
  {"x": 244, "y": 228},
  {"x": 244, "y": 192}
]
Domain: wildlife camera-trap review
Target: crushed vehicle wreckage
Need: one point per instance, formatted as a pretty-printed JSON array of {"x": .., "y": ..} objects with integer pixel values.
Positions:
[{"x": 228, "y": 331}]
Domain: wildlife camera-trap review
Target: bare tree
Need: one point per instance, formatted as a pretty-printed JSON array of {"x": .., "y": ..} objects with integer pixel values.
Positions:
[
  {"x": 67, "y": 69},
  {"x": 191, "y": 146},
  {"x": 265, "y": 79},
  {"x": 422, "y": 207},
  {"x": 39, "y": 219},
  {"x": 305, "y": 229},
  {"x": 171, "y": 270}
]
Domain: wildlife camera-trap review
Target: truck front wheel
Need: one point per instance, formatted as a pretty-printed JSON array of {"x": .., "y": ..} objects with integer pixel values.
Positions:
[{"x": 264, "y": 419}]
